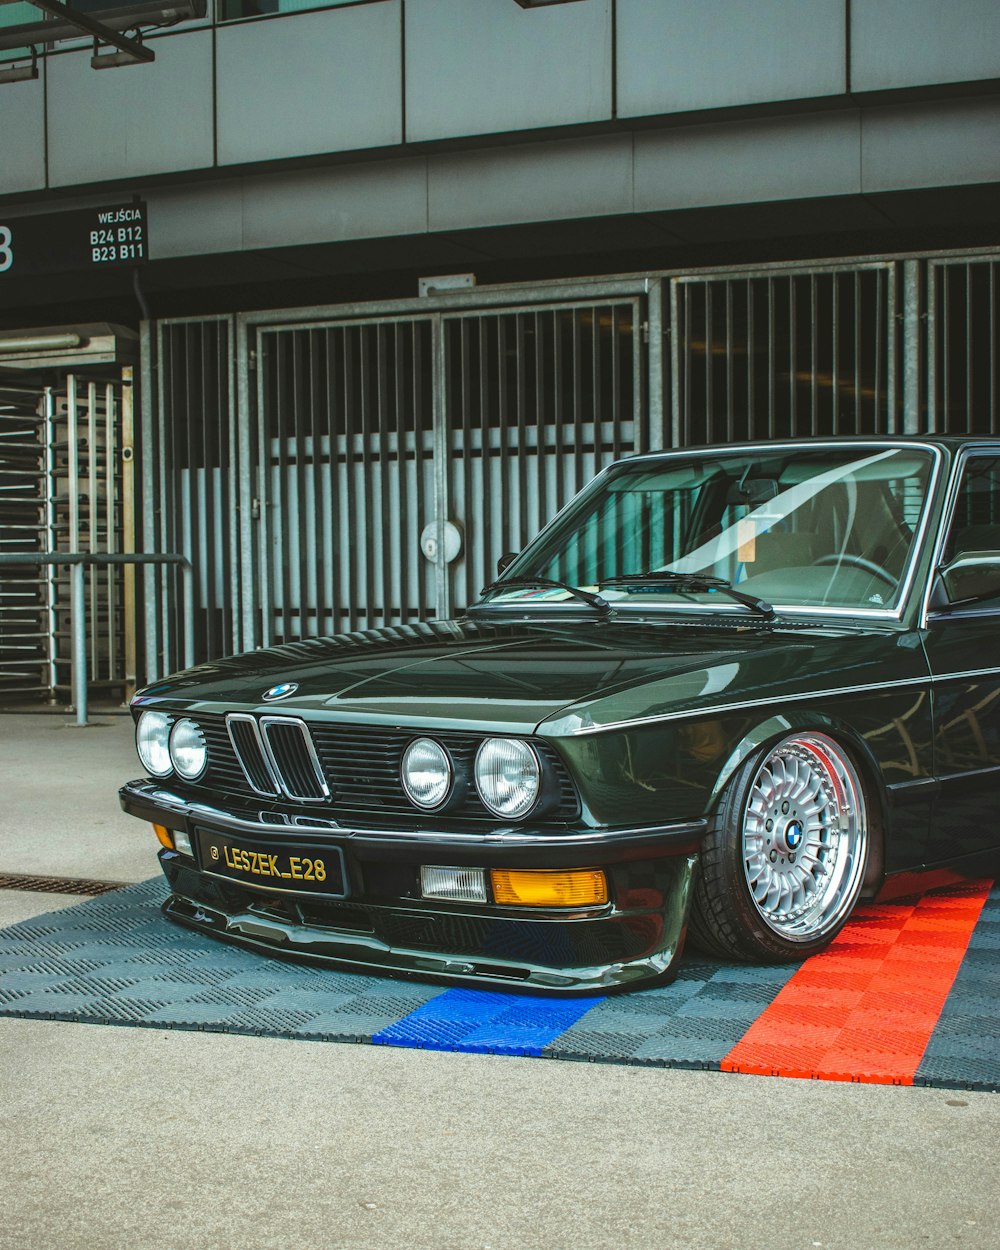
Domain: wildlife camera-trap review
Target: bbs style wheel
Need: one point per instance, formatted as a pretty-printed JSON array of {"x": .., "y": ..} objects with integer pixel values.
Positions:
[{"x": 784, "y": 863}]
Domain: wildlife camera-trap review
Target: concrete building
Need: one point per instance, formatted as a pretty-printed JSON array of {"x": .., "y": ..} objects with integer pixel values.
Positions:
[{"x": 415, "y": 269}]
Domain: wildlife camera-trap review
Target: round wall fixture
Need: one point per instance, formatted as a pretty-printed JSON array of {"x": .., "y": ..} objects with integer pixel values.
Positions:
[{"x": 449, "y": 534}]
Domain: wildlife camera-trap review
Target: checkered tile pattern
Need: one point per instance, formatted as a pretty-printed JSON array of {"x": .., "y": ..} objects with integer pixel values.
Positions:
[
  {"x": 117, "y": 961},
  {"x": 900, "y": 974}
]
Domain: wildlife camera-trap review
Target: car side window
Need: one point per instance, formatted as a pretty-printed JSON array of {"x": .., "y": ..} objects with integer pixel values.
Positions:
[
  {"x": 971, "y": 557},
  {"x": 975, "y": 523}
]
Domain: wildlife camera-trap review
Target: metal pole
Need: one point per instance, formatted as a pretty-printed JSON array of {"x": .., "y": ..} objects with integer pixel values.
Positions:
[
  {"x": 187, "y": 572},
  {"x": 78, "y": 625}
]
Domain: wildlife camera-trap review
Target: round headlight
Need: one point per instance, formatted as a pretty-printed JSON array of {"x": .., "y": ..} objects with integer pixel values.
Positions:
[
  {"x": 188, "y": 749},
  {"x": 508, "y": 776},
  {"x": 426, "y": 773},
  {"x": 152, "y": 735}
]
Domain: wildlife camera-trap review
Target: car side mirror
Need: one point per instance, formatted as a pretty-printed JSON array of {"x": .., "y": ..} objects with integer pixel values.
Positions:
[
  {"x": 505, "y": 561},
  {"x": 971, "y": 577}
]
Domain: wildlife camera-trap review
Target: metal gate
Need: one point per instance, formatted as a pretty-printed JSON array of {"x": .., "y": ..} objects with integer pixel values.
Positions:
[
  {"x": 785, "y": 354},
  {"x": 25, "y": 660},
  {"x": 298, "y": 462},
  {"x": 963, "y": 315},
  {"x": 469, "y": 428},
  {"x": 298, "y": 458},
  {"x": 191, "y": 467},
  {"x": 65, "y": 487}
]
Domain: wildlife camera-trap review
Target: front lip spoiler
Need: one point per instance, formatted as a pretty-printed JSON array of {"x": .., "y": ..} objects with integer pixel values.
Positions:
[
  {"x": 149, "y": 801},
  {"x": 365, "y": 953}
]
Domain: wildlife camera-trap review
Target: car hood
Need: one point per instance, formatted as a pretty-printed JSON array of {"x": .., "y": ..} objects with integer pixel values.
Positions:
[{"x": 551, "y": 677}]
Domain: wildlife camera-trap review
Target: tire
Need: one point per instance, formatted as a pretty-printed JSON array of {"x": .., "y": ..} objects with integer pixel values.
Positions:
[{"x": 784, "y": 862}]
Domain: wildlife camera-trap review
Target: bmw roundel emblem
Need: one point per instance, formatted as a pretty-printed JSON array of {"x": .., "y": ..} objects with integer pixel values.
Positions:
[{"x": 281, "y": 691}]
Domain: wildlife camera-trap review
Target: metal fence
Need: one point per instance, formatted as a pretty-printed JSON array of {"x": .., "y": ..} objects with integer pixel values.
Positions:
[
  {"x": 786, "y": 354},
  {"x": 298, "y": 457},
  {"x": 964, "y": 327},
  {"x": 64, "y": 488}
]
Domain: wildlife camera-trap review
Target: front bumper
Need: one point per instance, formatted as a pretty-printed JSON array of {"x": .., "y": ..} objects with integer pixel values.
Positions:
[{"x": 384, "y": 924}]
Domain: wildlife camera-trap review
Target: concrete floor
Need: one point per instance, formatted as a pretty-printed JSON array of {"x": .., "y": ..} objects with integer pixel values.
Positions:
[{"x": 117, "y": 1137}]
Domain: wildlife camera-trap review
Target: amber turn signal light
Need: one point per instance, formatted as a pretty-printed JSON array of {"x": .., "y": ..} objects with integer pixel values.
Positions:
[
  {"x": 546, "y": 887},
  {"x": 163, "y": 836}
]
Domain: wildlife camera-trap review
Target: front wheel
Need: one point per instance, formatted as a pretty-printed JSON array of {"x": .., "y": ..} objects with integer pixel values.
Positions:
[{"x": 784, "y": 863}]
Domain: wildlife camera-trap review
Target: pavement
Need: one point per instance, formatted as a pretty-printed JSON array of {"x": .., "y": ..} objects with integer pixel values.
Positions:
[{"x": 115, "y": 1137}]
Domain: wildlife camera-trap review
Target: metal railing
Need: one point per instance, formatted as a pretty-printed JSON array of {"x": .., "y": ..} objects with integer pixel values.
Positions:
[{"x": 78, "y": 613}]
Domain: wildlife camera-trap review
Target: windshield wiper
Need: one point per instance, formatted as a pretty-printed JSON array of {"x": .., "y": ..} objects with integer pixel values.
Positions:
[
  {"x": 694, "y": 582},
  {"x": 597, "y": 602}
]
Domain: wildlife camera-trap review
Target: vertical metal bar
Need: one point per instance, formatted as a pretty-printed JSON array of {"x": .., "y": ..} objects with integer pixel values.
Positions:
[
  {"x": 751, "y": 359},
  {"x": 150, "y": 394},
  {"x": 334, "y": 372},
  {"x": 688, "y": 368},
  {"x": 72, "y": 466},
  {"x": 640, "y": 397},
  {"x": 793, "y": 416},
  {"x": 246, "y": 618},
  {"x": 548, "y": 458},
  {"x": 813, "y": 357},
  {"x": 92, "y": 542},
  {"x": 835, "y": 354},
  {"x": 366, "y": 500},
  {"x": 167, "y": 468},
  {"x": 651, "y": 436},
  {"x": 709, "y": 363},
  {"x": 350, "y": 410},
  {"x": 300, "y": 416},
  {"x": 520, "y": 402},
  {"x": 440, "y": 417},
  {"x": 206, "y": 519},
  {"x": 677, "y": 331},
  {"x": 423, "y": 356},
  {"x": 730, "y": 382},
  {"x": 857, "y": 352},
  {"x": 49, "y": 572},
  {"x": 880, "y": 299},
  {"x": 992, "y": 319},
  {"x": 110, "y": 524},
  {"x": 78, "y": 626},
  {"x": 947, "y": 292},
  {"x": 933, "y": 347},
  {"x": 384, "y": 439},
  {"x": 185, "y": 463},
  {"x": 282, "y": 343},
  {"x": 270, "y": 489},
  {"x": 483, "y": 408},
  {"x": 892, "y": 349},
  {"x": 772, "y": 348},
  {"x": 187, "y": 578},
  {"x": 409, "y": 532},
  {"x": 510, "y": 539},
  {"x": 970, "y": 400},
  {"x": 572, "y": 320},
  {"x": 320, "y": 439},
  {"x": 475, "y": 523},
  {"x": 616, "y": 335},
  {"x": 229, "y": 440},
  {"x": 911, "y": 348},
  {"x": 128, "y": 529}
]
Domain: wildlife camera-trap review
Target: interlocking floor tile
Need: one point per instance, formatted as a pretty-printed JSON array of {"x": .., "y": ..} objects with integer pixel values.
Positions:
[{"x": 907, "y": 994}]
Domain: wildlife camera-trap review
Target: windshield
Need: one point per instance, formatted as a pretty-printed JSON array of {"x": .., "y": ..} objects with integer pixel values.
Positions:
[{"x": 822, "y": 528}]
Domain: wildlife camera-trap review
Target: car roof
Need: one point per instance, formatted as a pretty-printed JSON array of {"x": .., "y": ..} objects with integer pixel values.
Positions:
[{"x": 946, "y": 442}]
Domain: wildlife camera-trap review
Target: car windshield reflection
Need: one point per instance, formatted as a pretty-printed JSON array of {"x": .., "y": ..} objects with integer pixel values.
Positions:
[{"x": 828, "y": 528}]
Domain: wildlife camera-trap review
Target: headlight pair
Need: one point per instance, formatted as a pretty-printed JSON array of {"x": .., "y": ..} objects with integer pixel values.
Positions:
[
  {"x": 507, "y": 774},
  {"x": 167, "y": 746}
]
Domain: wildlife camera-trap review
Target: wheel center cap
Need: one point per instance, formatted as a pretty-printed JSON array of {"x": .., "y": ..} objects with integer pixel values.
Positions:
[{"x": 793, "y": 835}]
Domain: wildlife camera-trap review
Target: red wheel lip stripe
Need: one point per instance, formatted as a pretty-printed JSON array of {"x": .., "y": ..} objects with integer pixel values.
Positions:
[{"x": 864, "y": 1009}]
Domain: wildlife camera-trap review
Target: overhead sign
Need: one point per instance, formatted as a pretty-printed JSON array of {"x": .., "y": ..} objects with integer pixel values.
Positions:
[{"x": 86, "y": 238}]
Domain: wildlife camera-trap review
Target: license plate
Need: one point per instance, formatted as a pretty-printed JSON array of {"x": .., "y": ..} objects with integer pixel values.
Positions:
[{"x": 298, "y": 869}]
